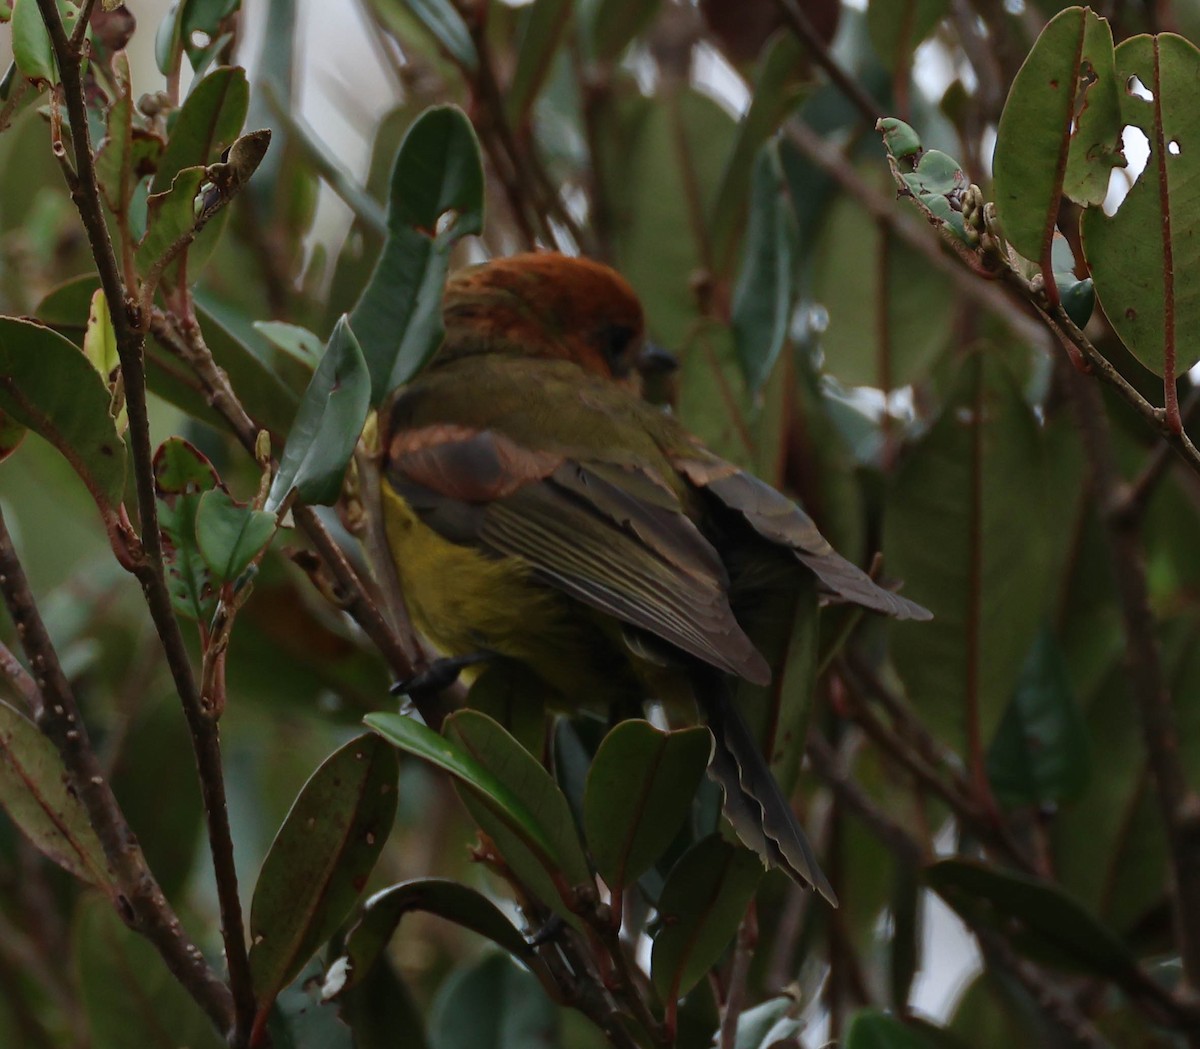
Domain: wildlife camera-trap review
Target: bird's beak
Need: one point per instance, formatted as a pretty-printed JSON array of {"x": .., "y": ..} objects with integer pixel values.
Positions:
[{"x": 656, "y": 362}]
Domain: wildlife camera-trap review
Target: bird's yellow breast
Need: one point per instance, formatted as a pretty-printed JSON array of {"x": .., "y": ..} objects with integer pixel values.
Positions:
[{"x": 466, "y": 602}]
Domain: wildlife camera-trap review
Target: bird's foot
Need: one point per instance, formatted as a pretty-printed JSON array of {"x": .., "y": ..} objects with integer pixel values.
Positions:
[{"x": 438, "y": 676}]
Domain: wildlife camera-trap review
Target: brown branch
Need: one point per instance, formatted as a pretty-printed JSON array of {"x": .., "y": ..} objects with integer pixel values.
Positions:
[
  {"x": 148, "y": 568},
  {"x": 1179, "y": 804},
  {"x": 140, "y": 900}
]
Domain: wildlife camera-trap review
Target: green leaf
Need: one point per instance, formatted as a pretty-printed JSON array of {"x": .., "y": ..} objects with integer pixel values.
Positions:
[
  {"x": 1040, "y": 918},
  {"x": 170, "y": 216},
  {"x": 525, "y": 812},
  {"x": 100, "y": 341},
  {"x": 31, "y": 46},
  {"x": 639, "y": 792},
  {"x": 966, "y": 526},
  {"x": 779, "y": 83},
  {"x": 541, "y": 29},
  {"x": 899, "y": 138},
  {"x": 114, "y": 155},
  {"x": 35, "y": 792},
  {"x": 1068, "y": 80},
  {"x": 209, "y": 120},
  {"x": 887, "y": 322},
  {"x": 12, "y": 433},
  {"x": 1040, "y": 753},
  {"x": 764, "y": 295},
  {"x": 297, "y": 342},
  {"x": 1138, "y": 256},
  {"x": 436, "y": 199},
  {"x": 701, "y": 906},
  {"x": 327, "y": 426},
  {"x": 320, "y": 860},
  {"x": 871, "y": 1029},
  {"x": 522, "y": 776},
  {"x": 230, "y": 536},
  {"x": 383, "y": 912},
  {"x": 129, "y": 996},
  {"x": 47, "y": 385},
  {"x": 182, "y": 475},
  {"x": 441, "y": 20},
  {"x": 607, "y": 27},
  {"x": 898, "y": 27},
  {"x": 301, "y": 1020},
  {"x": 493, "y": 1004},
  {"x": 167, "y": 40}
]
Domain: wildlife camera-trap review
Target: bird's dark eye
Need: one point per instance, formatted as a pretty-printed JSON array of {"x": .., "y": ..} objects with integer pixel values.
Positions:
[{"x": 613, "y": 342}]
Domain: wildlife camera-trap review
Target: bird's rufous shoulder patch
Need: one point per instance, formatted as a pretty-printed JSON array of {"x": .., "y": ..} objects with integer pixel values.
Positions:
[{"x": 476, "y": 466}]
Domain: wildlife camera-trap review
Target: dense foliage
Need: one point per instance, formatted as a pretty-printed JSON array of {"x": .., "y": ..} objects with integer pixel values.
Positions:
[{"x": 929, "y": 268}]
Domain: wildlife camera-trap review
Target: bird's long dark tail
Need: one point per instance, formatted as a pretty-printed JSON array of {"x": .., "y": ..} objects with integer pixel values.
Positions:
[{"x": 754, "y": 804}]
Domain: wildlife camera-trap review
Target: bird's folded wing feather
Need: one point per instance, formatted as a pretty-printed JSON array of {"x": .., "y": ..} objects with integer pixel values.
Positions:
[
  {"x": 610, "y": 536},
  {"x": 778, "y": 519}
]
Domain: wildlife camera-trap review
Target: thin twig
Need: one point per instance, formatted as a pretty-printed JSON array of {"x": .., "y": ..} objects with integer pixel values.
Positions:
[
  {"x": 853, "y": 91},
  {"x": 139, "y": 900},
  {"x": 148, "y": 568}
]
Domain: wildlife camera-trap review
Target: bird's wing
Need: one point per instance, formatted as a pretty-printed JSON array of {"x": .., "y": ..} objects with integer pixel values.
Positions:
[
  {"x": 779, "y": 520},
  {"x": 613, "y": 537}
]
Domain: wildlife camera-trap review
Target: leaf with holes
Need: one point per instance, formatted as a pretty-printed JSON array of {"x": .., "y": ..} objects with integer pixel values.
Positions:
[
  {"x": 34, "y": 792},
  {"x": 639, "y": 792},
  {"x": 436, "y": 199},
  {"x": 1143, "y": 257},
  {"x": 319, "y": 862},
  {"x": 1060, "y": 132}
]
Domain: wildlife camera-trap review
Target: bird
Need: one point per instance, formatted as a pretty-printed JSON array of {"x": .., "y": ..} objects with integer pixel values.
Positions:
[{"x": 539, "y": 510}]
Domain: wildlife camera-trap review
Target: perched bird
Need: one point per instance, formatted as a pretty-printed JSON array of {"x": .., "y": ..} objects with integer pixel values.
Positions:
[{"x": 539, "y": 510}]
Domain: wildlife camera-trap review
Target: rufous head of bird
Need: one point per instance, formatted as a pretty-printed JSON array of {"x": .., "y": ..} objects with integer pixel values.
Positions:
[{"x": 547, "y": 305}]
